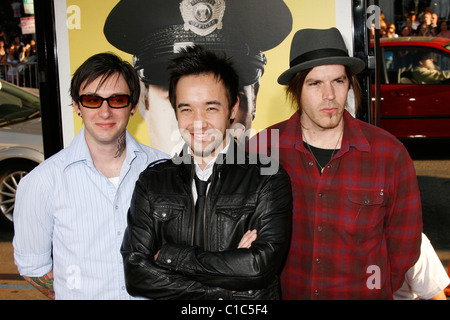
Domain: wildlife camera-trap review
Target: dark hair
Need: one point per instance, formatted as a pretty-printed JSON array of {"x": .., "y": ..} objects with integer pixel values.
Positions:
[
  {"x": 423, "y": 55},
  {"x": 295, "y": 86},
  {"x": 196, "y": 60},
  {"x": 105, "y": 65}
]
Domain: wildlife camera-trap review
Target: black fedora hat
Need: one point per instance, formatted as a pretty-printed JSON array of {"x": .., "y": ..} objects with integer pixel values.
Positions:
[
  {"x": 316, "y": 47},
  {"x": 152, "y": 30}
]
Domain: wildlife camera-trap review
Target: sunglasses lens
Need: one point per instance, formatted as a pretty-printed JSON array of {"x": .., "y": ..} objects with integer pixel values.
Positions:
[
  {"x": 119, "y": 101},
  {"x": 91, "y": 101}
]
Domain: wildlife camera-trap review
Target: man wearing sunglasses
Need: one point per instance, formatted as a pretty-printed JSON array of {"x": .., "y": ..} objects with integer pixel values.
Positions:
[{"x": 70, "y": 211}]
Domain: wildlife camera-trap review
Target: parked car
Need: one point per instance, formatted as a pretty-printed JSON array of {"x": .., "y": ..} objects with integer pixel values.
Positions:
[
  {"x": 415, "y": 101},
  {"x": 21, "y": 146}
]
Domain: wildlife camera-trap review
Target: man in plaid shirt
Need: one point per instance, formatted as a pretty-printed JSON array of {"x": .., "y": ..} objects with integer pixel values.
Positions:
[{"x": 357, "y": 218}]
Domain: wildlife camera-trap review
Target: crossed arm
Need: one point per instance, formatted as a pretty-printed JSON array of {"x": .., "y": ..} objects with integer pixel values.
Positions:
[
  {"x": 181, "y": 271},
  {"x": 245, "y": 242}
]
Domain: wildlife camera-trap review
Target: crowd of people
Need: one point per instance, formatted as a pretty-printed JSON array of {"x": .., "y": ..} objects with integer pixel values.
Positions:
[
  {"x": 425, "y": 24},
  {"x": 17, "y": 56},
  {"x": 18, "y": 60}
]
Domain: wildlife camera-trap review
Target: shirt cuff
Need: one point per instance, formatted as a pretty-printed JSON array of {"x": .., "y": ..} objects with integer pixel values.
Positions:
[{"x": 33, "y": 265}]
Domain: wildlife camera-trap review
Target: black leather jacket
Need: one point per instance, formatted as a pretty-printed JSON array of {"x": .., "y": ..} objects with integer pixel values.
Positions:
[{"x": 240, "y": 198}]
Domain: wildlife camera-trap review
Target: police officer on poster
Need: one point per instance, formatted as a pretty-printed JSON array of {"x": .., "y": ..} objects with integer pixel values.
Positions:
[{"x": 154, "y": 31}]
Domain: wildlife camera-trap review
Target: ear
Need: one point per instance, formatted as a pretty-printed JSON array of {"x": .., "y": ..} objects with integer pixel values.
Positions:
[
  {"x": 133, "y": 110},
  {"x": 76, "y": 107},
  {"x": 235, "y": 109}
]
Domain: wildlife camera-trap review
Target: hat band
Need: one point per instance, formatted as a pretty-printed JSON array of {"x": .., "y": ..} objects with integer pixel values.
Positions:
[{"x": 318, "y": 54}]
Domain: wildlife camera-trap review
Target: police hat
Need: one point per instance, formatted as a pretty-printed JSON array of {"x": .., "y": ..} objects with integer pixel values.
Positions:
[{"x": 154, "y": 30}]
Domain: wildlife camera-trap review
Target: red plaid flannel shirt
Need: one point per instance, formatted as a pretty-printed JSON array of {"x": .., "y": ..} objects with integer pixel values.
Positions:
[{"x": 357, "y": 228}]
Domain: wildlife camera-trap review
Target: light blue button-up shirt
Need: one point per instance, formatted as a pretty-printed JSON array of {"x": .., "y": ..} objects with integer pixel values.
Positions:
[{"x": 70, "y": 218}]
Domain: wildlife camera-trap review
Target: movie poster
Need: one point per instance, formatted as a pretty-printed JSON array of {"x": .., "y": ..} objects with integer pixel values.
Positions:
[{"x": 255, "y": 34}]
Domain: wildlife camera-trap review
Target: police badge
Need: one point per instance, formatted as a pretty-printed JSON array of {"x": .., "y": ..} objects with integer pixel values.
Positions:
[{"x": 202, "y": 16}]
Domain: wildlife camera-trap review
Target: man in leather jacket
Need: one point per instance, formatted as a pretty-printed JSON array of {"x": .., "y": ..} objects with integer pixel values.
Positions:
[{"x": 245, "y": 226}]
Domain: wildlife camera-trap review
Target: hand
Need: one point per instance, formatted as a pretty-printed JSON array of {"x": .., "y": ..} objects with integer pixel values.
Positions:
[
  {"x": 246, "y": 242},
  {"x": 247, "y": 239}
]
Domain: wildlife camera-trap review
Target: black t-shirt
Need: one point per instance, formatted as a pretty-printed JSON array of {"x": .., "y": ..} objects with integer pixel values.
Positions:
[{"x": 322, "y": 156}]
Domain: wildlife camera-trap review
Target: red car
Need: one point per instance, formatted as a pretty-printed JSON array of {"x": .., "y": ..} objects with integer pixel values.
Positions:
[{"x": 415, "y": 95}]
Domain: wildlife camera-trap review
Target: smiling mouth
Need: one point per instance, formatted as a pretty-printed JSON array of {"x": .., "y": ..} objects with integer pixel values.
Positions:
[
  {"x": 201, "y": 136},
  {"x": 105, "y": 125}
]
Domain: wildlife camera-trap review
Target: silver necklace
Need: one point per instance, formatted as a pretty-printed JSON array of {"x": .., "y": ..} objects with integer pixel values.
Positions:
[{"x": 332, "y": 154}]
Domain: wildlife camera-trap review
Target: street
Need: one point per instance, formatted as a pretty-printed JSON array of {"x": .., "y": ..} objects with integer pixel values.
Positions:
[
  {"x": 12, "y": 285},
  {"x": 432, "y": 163}
]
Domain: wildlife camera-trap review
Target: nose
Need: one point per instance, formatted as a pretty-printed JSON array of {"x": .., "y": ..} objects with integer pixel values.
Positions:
[
  {"x": 104, "y": 110},
  {"x": 199, "y": 124},
  {"x": 328, "y": 91},
  {"x": 199, "y": 121}
]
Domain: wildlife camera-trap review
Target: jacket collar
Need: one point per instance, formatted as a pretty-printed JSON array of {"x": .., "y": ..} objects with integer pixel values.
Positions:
[{"x": 229, "y": 157}]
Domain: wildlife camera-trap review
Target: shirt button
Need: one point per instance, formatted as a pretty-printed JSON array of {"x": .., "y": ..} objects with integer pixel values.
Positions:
[
  {"x": 318, "y": 260},
  {"x": 169, "y": 261},
  {"x": 116, "y": 207},
  {"x": 319, "y": 228},
  {"x": 316, "y": 292},
  {"x": 320, "y": 195},
  {"x": 311, "y": 164}
]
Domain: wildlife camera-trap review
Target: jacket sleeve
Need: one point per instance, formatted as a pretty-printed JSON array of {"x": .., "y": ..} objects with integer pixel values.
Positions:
[
  {"x": 143, "y": 277},
  {"x": 404, "y": 224},
  {"x": 243, "y": 269}
]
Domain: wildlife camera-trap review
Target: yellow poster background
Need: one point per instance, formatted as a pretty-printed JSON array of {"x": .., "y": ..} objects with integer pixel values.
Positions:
[{"x": 86, "y": 19}]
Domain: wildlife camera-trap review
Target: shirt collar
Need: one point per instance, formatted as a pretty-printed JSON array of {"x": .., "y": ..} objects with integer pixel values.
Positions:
[
  {"x": 204, "y": 174},
  {"x": 79, "y": 150},
  {"x": 353, "y": 135}
]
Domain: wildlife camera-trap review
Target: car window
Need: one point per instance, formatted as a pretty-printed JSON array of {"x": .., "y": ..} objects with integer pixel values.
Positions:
[
  {"x": 14, "y": 108},
  {"x": 415, "y": 65}
]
